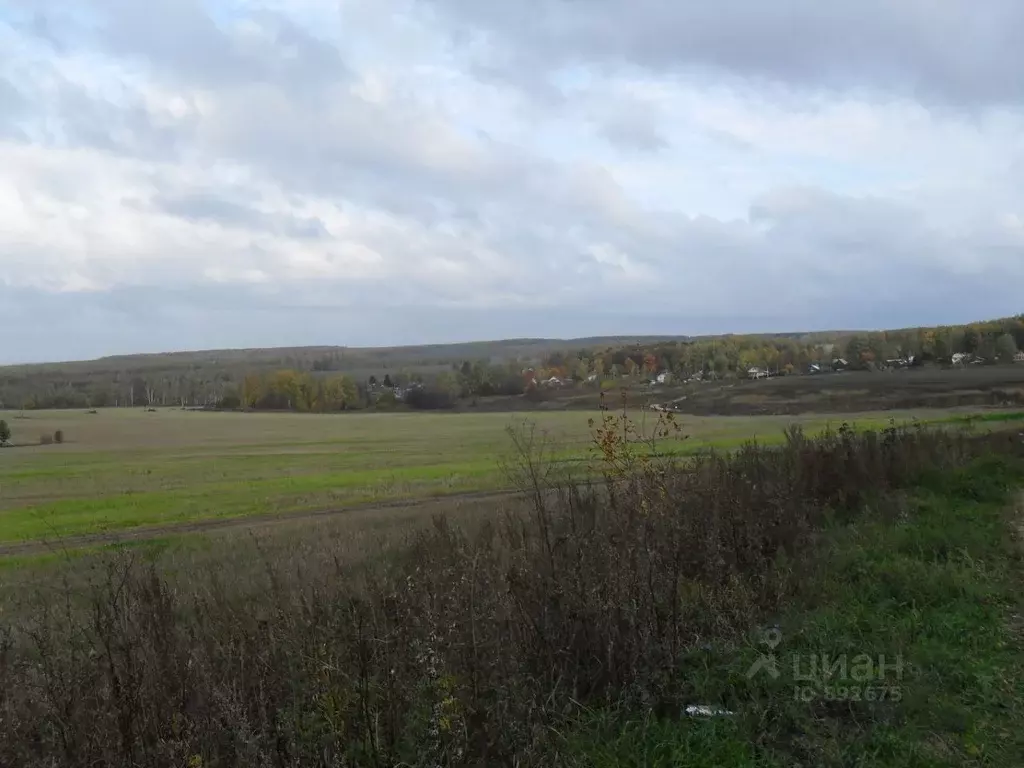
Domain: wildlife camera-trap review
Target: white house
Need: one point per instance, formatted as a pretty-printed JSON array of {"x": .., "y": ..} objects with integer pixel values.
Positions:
[
  {"x": 959, "y": 358},
  {"x": 664, "y": 377}
]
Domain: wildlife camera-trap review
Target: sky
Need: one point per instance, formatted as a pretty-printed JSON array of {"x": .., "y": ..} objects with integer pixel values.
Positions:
[{"x": 189, "y": 174}]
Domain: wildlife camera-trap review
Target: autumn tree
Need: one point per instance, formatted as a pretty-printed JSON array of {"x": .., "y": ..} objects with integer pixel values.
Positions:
[{"x": 971, "y": 340}]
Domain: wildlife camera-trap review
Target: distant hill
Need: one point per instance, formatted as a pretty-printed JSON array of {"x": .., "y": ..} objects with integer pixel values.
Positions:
[
  {"x": 198, "y": 377},
  {"x": 347, "y": 357}
]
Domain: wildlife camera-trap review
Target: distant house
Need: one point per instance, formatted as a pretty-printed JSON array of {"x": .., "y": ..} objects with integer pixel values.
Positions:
[
  {"x": 840, "y": 364},
  {"x": 554, "y": 381},
  {"x": 814, "y": 368},
  {"x": 959, "y": 358},
  {"x": 756, "y": 373},
  {"x": 663, "y": 378},
  {"x": 592, "y": 378},
  {"x": 1019, "y": 357}
]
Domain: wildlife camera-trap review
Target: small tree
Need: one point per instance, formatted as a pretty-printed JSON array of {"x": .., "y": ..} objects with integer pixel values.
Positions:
[
  {"x": 5, "y": 433},
  {"x": 1006, "y": 348}
]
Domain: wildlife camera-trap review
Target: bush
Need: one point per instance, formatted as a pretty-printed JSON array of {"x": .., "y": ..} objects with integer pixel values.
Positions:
[
  {"x": 429, "y": 399},
  {"x": 58, "y": 436},
  {"x": 5, "y": 433},
  {"x": 46, "y": 439}
]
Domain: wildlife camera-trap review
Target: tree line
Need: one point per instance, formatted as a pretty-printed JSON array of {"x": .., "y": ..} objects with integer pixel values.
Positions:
[
  {"x": 992, "y": 341},
  {"x": 312, "y": 382}
]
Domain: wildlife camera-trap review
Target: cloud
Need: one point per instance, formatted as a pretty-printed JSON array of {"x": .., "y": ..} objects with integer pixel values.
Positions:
[
  {"x": 184, "y": 174},
  {"x": 205, "y": 207},
  {"x": 957, "y": 52}
]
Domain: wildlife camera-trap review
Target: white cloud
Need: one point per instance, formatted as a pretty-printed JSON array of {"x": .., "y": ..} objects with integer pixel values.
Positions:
[{"x": 280, "y": 160}]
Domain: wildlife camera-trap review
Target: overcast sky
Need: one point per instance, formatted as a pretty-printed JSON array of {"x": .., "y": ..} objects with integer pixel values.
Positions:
[{"x": 179, "y": 174}]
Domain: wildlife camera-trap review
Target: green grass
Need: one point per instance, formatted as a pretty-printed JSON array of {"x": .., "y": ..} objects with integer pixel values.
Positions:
[
  {"x": 124, "y": 468},
  {"x": 940, "y": 588},
  {"x": 987, "y": 418}
]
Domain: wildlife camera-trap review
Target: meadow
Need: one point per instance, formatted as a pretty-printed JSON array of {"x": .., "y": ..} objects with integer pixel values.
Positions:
[
  {"x": 577, "y": 629},
  {"x": 163, "y": 471}
]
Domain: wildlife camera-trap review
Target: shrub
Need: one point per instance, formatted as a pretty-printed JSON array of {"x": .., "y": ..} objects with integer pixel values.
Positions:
[
  {"x": 429, "y": 398},
  {"x": 58, "y": 436},
  {"x": 46, "y": 439},
  {"x": 5, "y": 433}
]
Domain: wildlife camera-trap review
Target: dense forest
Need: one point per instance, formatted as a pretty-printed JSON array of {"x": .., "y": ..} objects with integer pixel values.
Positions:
[{"x": 339, "y": 378}]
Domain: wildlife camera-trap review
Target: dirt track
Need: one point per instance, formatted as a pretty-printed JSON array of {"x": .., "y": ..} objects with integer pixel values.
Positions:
[{"x": 42, "y": 546}]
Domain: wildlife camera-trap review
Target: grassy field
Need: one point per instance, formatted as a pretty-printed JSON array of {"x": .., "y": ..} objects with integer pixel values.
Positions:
[
  {"x": 121, "y": 469},
  {"x": 756, "y": 586}
]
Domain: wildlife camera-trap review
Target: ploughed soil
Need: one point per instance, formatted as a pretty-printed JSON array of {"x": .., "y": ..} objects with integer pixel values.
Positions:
[{"x": 845, "y": 392}]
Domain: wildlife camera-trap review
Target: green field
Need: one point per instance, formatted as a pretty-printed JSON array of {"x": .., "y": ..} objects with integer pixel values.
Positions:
[{"x": 121, "y": 469}]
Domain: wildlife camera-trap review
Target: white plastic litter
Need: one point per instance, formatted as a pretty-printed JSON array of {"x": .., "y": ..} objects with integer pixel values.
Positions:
[{"x": 703, "y": 710}]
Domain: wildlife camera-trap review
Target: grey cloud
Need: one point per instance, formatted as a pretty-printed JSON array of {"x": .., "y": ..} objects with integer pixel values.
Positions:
[
  {"x": 11, "y": 99},
  {"x": 12, "y": 110},
  {"x": 200, "y": 206},
  {"x": 128, "y": 129},
  {"x": 182, "y": 41},
  {"x": 397, "y": 156},
  {"x": 960, "y": 51},
  {"x": 632, "y": 131}
]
